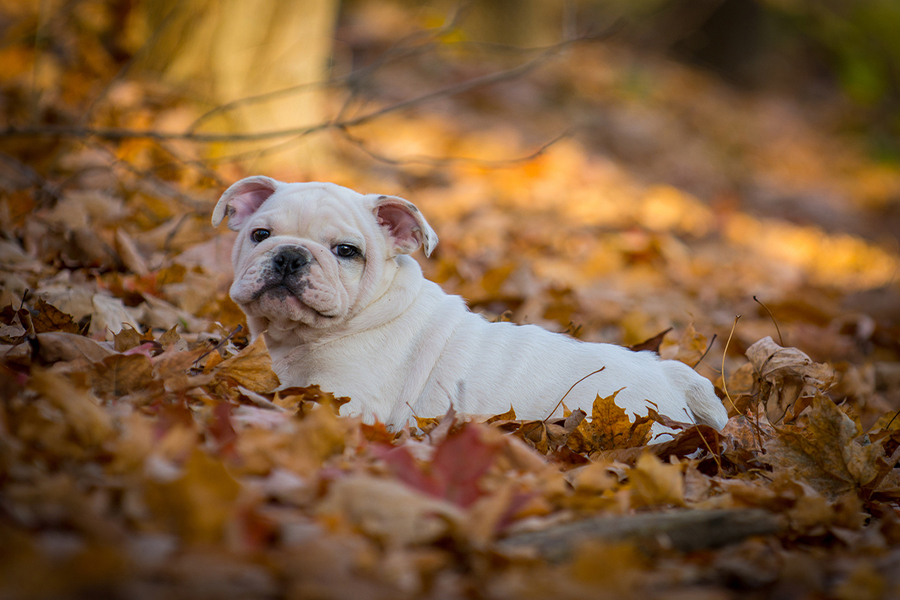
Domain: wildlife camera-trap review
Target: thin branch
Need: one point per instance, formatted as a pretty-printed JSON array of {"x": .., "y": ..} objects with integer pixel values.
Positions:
[
  {"x": 449, "y": 160},
  {"x": 724, "y": 352},
  {"x": 400, "y": 50},
  {"x": 603, "y": 368},
  {"x": 708, "y": 348},
  {"x": 120, "y": 74},
  {"x": 114, "y": 133},
  {"x": 771, "y": 316}
]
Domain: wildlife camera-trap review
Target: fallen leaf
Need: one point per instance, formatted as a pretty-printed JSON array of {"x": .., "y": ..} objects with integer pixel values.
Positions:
[
  {"x": 653, "y": 343},
  {"x": 509, "y": 415},
  {"x": 824, "y": 452},
  {"x": 59, "y": 346},
  {"x": 251, "y": 368},
  {"x": 785, "y": 374},
  {"x": 656, "y": 483},
  {"x": 609, "y": 428},
  {"x": 692, "y": 346},
  {"x": 49, "y": 318},
  {"x": 126, "y": 339},
  {"x": 389, "y": 511},
  {"x": 90, "y": 423},
  {"x": 199, "y": 503},
  {"x": 454, "y": 472},
  {"x": 121, "y": 374}
]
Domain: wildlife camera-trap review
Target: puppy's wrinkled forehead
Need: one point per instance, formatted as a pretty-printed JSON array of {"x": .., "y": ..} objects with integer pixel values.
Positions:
[{"x": 305, "y": 210}]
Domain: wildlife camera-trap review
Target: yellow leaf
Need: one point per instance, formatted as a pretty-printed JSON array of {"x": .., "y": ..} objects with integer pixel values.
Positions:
[
  {"x": 509, "y": 415},
  {"x": 251, "y": 368},
  {"x": 200, "y": 503},
  {"x": 609, "y": 428},
  {"x": 655, "y": 483}
]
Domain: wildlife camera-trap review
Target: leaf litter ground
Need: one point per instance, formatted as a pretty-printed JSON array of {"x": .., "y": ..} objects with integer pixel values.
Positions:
[{"x": 145, "y": 451}]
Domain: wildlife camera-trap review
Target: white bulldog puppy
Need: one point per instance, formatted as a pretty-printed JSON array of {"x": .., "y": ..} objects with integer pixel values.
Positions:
[{"x": 323, "y": 273}]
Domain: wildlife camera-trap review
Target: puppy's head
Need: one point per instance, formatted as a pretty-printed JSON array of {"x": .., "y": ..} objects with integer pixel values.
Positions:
[{"x": 313, "y": 254}]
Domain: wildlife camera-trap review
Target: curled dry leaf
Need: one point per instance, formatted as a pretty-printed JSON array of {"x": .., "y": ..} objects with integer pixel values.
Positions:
[
  {"x": 651, "y": 344},
  {"x": 691, "y": 346},
  {"x": 785, "y": 375},
  {"x": 49, "y": 318}
]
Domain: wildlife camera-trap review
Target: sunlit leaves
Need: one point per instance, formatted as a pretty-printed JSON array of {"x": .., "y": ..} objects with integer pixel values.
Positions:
[{"x": 609, "y": 428}]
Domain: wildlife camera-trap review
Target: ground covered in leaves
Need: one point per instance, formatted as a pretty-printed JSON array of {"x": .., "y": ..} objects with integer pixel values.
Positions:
[{"x": 146, "y": 451}]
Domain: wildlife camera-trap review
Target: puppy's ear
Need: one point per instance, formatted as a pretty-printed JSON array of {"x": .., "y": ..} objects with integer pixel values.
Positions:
[
  {"x": 404, "y": 226},
  {"x": 242, "y": 200}
]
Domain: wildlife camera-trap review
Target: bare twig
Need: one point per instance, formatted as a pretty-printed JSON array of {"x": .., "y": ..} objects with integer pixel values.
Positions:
[
  {"x": 219, "y": 345},
  {"x": 120, "y": 74},
  {"x": 572, "y": 388},
  {"x": 724, "y": 352},
  {"x": 448, "y": 160},
  {"x": 771, "y": 316},
  {"x": 400, "y": 50},
  {"x": 116, "y": 133},
  {"x": 708, "y": 348}
]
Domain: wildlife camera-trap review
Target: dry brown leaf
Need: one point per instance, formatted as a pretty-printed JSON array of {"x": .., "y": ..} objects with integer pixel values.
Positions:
[
  {"x": 90, "y": 423},
  {"x": 251, "y": 368},
  {"x": 692, "y": 346},
  {"x": 59, "y": 346},
  {"x": 121, "y": 374},
  {"x": 651, "y": 344},
  {"x": 129, "y": 253},
  {"x": 172, "y": 338},
  {"x": 785, "y": 374},
  {"x": 823, "y": 452},
  {"x": 49, "y": 318},
  {"x": 302, "y": 400},
  {"x": 299, "y": 445},
  {"x": 509, "y": 415},
  {"x": 126, "y": 339}
]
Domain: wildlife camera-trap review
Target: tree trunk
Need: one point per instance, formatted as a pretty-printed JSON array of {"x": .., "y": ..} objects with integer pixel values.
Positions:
[{"x": 220, "y": 51}]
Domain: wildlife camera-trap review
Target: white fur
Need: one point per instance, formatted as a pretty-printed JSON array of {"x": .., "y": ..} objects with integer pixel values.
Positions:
[{"x": 398, "y": 346}]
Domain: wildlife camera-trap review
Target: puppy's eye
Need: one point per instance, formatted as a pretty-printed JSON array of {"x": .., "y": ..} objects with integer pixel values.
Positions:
[
  {"x": 346, "y": 250},
  {"x": 258, "y": 235}
]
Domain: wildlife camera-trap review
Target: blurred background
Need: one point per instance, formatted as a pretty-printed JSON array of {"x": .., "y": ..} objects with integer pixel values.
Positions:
[{"x": 606, "y": 167}]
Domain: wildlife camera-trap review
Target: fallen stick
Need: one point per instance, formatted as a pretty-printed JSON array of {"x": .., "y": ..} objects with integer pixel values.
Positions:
[{"x": 685, "y": 531}]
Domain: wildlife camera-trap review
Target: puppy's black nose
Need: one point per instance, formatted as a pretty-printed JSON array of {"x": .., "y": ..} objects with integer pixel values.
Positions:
[{"x": 289, "y": 261}]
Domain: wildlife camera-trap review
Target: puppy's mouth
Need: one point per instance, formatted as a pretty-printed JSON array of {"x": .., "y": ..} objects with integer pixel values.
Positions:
[
  {"x": 285, "y": 291},
  {"x": 280, "y": 290}
]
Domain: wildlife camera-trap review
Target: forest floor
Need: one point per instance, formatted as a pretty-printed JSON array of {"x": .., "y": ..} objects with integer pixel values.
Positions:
[{"x": 144, "y": 451}]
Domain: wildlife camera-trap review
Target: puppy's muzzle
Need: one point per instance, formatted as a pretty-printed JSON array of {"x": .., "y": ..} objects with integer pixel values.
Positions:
[{"x": 290, "y": 260}]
